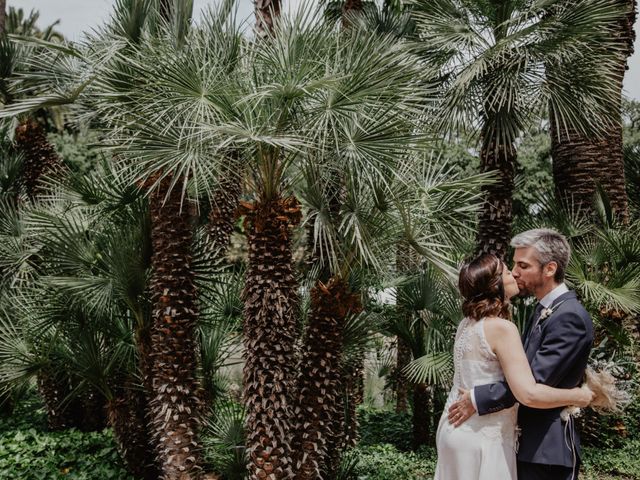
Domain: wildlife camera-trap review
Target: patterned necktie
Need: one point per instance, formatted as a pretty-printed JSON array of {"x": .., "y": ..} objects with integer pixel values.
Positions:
[{"x": 532, "y": 324}]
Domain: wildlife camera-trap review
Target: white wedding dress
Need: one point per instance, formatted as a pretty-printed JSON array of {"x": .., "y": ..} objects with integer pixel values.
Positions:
[{"x": 484, "y": 447}]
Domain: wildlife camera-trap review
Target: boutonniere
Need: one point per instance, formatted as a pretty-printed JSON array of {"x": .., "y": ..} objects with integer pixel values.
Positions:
[{"x": 547, "y": 312}]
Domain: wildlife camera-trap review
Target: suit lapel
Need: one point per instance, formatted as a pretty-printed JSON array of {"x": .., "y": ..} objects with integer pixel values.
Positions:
[{"x": 532, "y": 338}]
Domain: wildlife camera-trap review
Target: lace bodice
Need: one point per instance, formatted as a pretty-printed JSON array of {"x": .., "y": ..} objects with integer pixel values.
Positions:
[{"x": 476, "y": 364}]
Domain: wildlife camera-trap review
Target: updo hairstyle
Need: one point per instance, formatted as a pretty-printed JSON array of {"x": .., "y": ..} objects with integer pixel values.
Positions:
[{"x": 482, "y": 289}]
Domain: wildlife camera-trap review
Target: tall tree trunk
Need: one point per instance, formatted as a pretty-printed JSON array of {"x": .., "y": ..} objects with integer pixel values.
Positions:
[
  {"x": 421, "y": 415},
  {"x": 92, "y": 414},
  {"x": 53, "y": 387},
  {"x": 40, "y": 157},
  {"x": 267, "y": 13},
  {"x": 580, "y": 162},
  {"x": 355, "y": 396},
  {"x": 271, "y": 311},
  {"x": 223, "y": 215},
  {"x": 403, "y": 358},
  {"x": 3, "y": 16},
  {"x": 494, "y": 229},
  {"x": 407, "y": 260},
  {"x": 175, "y": 403},
  {"x": 320, "y": 383},
  {"x": 127, "y": 416}
]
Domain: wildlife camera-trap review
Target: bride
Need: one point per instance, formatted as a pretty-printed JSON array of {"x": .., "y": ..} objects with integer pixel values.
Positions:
[{"x": 488, "y": 349}]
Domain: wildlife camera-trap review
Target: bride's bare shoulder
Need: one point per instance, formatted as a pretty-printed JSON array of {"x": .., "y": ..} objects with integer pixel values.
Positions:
[{"x": 500, "y": 325}]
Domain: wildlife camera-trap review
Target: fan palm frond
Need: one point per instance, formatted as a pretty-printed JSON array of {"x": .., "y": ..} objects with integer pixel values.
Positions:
[{"x": 432, "y": 368}]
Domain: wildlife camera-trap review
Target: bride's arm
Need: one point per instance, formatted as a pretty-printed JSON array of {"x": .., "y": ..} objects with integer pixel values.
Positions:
[{"x": 505, "y": 341}]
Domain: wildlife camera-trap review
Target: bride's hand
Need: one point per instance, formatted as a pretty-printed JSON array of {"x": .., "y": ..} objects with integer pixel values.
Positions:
[{"x": 586, "y": 396}]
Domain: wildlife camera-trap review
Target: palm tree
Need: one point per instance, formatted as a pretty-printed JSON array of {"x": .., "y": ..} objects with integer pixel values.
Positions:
[
  {"x": 267, "y": 13},
  {"x": 581, "y": 162},
  {"x": 40, "y": 158},
  {"x": 492, "y": 58}
]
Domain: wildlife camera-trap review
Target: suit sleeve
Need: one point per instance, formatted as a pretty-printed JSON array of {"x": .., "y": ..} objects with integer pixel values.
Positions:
[
  {"x": 563, "y": 344},
  {"x": 493, "y": 397}
]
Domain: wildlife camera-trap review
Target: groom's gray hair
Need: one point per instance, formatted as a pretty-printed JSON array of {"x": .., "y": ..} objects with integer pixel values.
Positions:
[{"x": 551, "y": 246}]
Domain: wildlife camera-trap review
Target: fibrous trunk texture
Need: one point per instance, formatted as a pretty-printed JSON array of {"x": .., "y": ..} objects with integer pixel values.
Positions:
[
  {"x": 354, "y": 377},
  {"x": 320, "y": 382},
  {"x": 127, "y": 417},
  {"x": 175, "y": 403},
  {"x": 271, "y": 311},
  {"x": 223, "y": 215},
  {"x": 421, "y": 415},
  {"x": 580, "y": 162},
  {"x": 54, "y": 388},
  {"x": 494, "y": 229},
  {"x": 407, "y": 260},
  {"x": 3, "y": 15},
  {"x": 85, "y": 411},
  {"x": 40, "y": 157},
  {"x": 267, "y": 12},
  {"x": 403, "y": 358},
  {"x": 91, "y": 413}
]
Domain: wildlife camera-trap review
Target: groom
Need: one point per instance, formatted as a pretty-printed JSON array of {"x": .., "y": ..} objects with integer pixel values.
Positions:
[{"x": 557, "y": 340}]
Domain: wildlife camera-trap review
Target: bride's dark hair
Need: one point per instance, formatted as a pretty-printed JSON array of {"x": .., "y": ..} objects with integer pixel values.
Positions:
[{"x": 481, "y": 286}]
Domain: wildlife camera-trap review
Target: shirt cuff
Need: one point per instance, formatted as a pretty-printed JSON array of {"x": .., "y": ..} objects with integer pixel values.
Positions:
[{"x": 472, "y": 394}]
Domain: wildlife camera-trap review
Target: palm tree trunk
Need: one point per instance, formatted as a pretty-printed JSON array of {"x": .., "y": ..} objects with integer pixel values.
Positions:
[
  {"x": 53, "y": 387},
  {"x": 175, "y": 401},
  {"x": 92, "y": 411},
  {"x": 407, "y": 261},
  {"x": 494, "y": 229},
  {"x": 127, "y": 416},
  {"x": 580, "y": 162},
  {"x": 40, "y": 157},
  {"x": 223, "y": 215},
  {"x": 421, "y": 415},
  {"x": 403, "y": 358},
  {"x": 267, "y": 12},
  {"x": 355, "y": 396},
  {"x": 3, "y": 15},
  {"x": 320, "y": 382},
  {"x": 271, "y": 311}
]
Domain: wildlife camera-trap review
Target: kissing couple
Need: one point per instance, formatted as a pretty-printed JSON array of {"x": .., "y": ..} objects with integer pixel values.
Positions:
[{"x": 502, "y": 419}]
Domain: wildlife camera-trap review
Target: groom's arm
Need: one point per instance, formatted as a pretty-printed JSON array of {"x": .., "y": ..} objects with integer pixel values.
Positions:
[
  {"x": 493, "y": 397},
  {"x": 564, "y": 343},
  {"x": 483, "y": 399}
]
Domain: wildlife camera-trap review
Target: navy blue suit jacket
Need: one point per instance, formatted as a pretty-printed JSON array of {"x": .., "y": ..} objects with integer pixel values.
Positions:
[{"x": 558, "y": 354}]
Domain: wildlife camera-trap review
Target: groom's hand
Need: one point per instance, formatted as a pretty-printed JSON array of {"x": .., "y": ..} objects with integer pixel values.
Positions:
[{"x": 461, "y": 410}]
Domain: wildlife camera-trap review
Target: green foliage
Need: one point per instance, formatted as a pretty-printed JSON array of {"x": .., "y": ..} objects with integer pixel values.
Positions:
[
  {"x": 534, "y": 171},
  {"x": 76, "y": 149},
  {"x": 224, "y": 440},
  {"x": 29, "y": 452},
  {"x": 385, "y": 427},
  {"x": 385, "y": 462},
  {"x": 620, "y": 461}
]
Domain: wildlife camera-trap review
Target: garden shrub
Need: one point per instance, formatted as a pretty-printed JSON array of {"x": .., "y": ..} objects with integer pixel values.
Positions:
[
  {"x": 385, "y": 427},
  {"x": 621, "y": 462},
  {"x": 385, "y": 462},
  {"x": 29, "y": 452}
]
